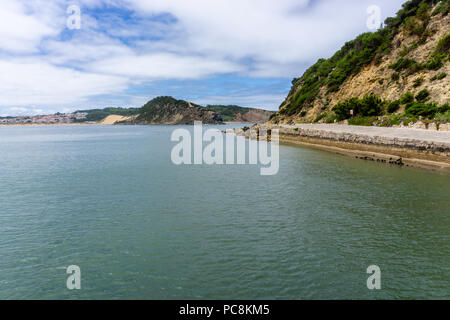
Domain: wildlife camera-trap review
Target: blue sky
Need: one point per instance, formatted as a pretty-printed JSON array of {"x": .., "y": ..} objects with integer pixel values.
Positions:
[{"x": 127, "y": 52}]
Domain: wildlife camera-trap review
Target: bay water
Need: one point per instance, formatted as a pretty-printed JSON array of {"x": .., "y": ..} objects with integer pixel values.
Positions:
[{"x": 109, "y": 200}]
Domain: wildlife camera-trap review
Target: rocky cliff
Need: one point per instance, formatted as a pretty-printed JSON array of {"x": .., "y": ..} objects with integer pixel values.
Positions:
[{"x": 399, "y": 72}]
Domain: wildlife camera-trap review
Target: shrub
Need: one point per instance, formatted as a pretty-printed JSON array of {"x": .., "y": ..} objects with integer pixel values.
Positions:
[
  {"x": 443, "y": 7},
  {"x": 395, "y": 76},
  {"x": 423, "y": 11},
  {"x": 408, "y": 49},
  {"x": 320, "y": 117},
  {"x": 393, "y": 106},
  {"x": 434, "y": 63},
  {"x": 444, "y": 108},
  {"x": 418, "y": 82},
  {"x": 439, "y": 76},
  {"x": 331, "y": 118},
  {"x": 444, "y": 117},
  {"x": 395, "y": 119},
  {"x": 407, "y": 98},
  {"x": 443, "y": 46},
  {"x": 422, "y": 95},
  {"x": 421, "y": 109},
  {"x": 402, "y": 64},
  {"x": 370, "y": 105},
  {"x": 342, "y": 109}
]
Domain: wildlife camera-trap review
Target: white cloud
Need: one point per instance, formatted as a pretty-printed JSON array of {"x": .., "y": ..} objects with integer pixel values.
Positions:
[
  {"x": 164, "y": 66},
  {"x": 280, "y": 32},
  {"x": 35, "y": 82},
  {"x": 205, "y": 38},
  {"x": 21, "y": 31}
]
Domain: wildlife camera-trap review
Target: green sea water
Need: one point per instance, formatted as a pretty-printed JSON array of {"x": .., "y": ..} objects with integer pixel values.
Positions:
[{"x": 109, "y": 200}]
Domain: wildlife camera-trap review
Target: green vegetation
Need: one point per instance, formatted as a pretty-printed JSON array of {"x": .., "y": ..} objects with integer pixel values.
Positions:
[
  {"x": 162, "y": 107},
  {"x": 418, "y": 82},
  {"x": 443, "y": 116},
  {"x": 393, "y": 106},
  {"x": 417, "y": 24},
  {"x": 407, "y": 50},
  {"x": 367, "y": 111},
  {"x": 228, "y": 113},
  {"x": 403, "y": 64},
  {"x": 320, "y": 117},
  {"x": 423, "y": 95},
  {"x": 435, "y": 62},
  {"x": 407, "y": 98},
  {"x": 421, "y": 109},
  {"x": 369, "y": 106},
  {"x": 354, "y": 55},
  {"x": 168, "y": 109},
  {"x": 96, "y": 115},
  {"x": 443, "y": 8},
  {"x": 443, "y": 46},
  {"x": 362, "y": 121},
  {"x": 439, "y": 76}
]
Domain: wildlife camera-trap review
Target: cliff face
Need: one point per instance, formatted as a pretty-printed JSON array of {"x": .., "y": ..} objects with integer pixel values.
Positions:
[{"x": 409, "y": 55}]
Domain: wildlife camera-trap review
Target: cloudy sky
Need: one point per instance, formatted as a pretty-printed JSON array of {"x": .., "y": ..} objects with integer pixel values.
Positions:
[{"x": 126, "y": 52}]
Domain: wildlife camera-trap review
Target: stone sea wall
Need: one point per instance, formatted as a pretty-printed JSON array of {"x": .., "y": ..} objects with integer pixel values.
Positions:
[{"x": 393, "y": 149}]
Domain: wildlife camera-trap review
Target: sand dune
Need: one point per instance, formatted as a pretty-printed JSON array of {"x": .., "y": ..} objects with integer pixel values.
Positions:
[{"x": 112, "y": 119}]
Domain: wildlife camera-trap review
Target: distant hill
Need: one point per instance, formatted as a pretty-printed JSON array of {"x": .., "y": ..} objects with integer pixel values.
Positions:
[
  {"x": 234, "y": 113},
  {"x": 97, "y": 115},
  {"x": 168, "y": 110}
]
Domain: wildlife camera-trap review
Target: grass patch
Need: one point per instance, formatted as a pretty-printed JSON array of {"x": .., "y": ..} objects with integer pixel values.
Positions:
[
  {"x": 439, "y": 76},
  {"x": 362, "y": 121},
  {"x": 423, "y": 95}
]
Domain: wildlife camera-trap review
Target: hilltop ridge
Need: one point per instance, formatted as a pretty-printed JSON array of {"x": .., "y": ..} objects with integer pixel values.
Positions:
[{"x": 168, "y": 110}]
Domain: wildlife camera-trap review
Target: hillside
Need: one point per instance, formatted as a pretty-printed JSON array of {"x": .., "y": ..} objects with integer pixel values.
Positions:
[
  {"x": 397, "y": 74},
  {"x": 98, "y": 115},
  {"x": 234, "y": 113},
  {"x": 168, "y": 110}
]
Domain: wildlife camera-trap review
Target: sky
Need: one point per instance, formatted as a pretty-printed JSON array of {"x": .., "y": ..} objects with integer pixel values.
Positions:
[{"x": 62, "y": 56}]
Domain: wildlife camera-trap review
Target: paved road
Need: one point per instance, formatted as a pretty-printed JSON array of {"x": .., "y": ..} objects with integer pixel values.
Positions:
[{"x": 401, "y": 133}]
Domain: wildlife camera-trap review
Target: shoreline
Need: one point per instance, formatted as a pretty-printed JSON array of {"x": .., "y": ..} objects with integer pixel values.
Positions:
[
  {"x": 48, "y": 124},
  {"x": 407, "y": 147}
]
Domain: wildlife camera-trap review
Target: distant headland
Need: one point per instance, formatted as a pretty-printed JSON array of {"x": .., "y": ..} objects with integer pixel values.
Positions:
[{"x": 161, "y": 110}]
